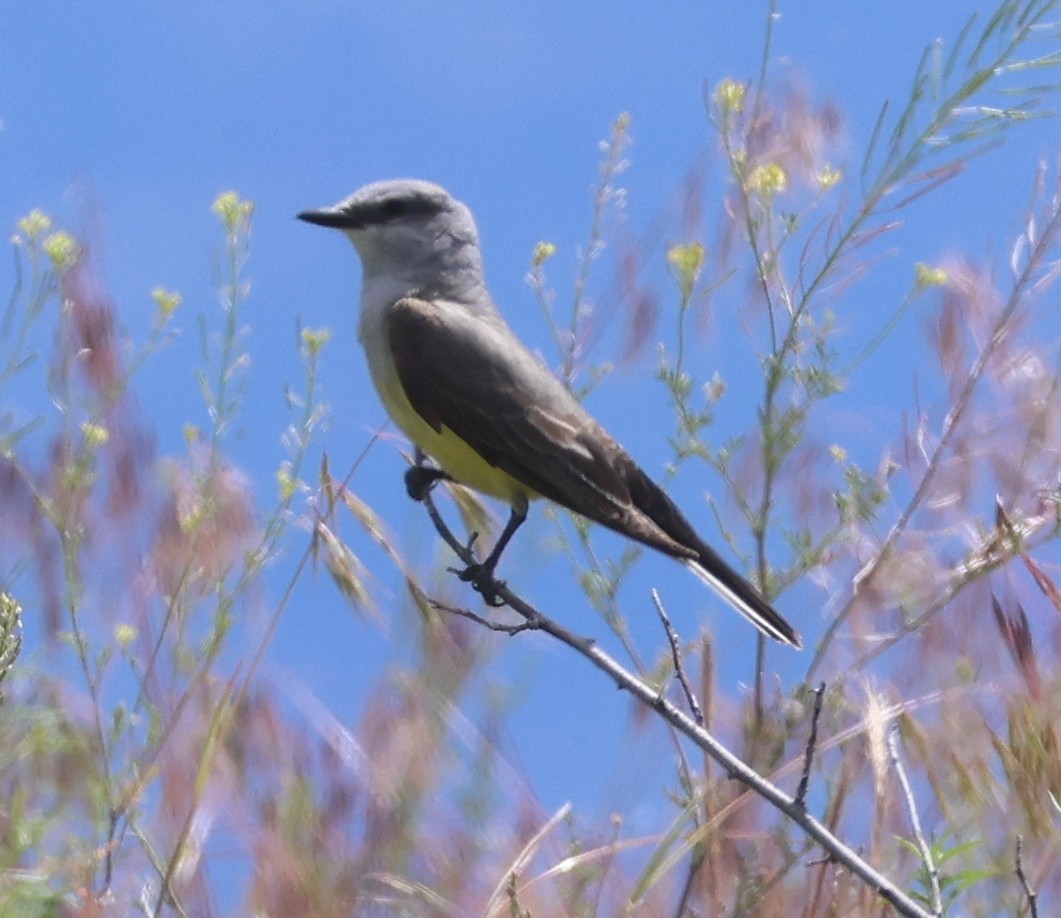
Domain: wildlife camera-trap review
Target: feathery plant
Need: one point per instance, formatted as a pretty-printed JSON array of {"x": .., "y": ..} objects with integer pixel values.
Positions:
[
  {"x": 800, "y": 255},
  {"x": 152, "y": 681},
  {"x": 10, "y": 634},
  {"x": 781, "y": 196},
  {"x": 142, "y": 733},
  {"x": 810, "y": 231}
]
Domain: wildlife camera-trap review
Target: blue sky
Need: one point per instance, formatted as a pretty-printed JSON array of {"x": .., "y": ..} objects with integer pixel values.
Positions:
[{"x": 131, "y": 118}]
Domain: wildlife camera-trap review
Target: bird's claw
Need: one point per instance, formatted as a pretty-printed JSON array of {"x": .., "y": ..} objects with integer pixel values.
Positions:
[
  {"x": 482, "y": 579},
  {"x": 419, "y": 479}
]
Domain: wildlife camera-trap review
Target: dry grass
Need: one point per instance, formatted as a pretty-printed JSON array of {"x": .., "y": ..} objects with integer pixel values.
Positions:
[{"x": 144, "y": 766}]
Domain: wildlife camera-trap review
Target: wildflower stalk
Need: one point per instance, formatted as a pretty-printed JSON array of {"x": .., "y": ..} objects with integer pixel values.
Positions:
[
  {"x": 235, "y": 216},
  {"x": 1045, "y": 238},
  {"x": 569, "y": 340},
  {"x": 910, "y": 149}
]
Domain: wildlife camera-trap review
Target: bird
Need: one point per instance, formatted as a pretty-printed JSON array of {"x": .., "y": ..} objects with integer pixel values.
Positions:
[{"x": 464, "y": 389}]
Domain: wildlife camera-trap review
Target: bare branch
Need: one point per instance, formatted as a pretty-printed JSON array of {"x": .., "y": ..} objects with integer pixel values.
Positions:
[
  {"x": 812, "y": 741},
  {"x": 794, "y": 809},
  {"x": 679, "y": 665},
  {"x": 501, "y": 627},
  {"x": 915, "y": 821},
  {"x": 1033, "y": 907}
]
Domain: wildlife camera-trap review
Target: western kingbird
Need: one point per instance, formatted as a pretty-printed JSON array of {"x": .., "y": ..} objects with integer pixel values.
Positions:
[{"x": 457, "y": 381}]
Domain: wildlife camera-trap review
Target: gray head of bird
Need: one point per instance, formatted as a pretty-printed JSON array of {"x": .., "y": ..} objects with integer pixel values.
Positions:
[{"x": 410, "y": 229}]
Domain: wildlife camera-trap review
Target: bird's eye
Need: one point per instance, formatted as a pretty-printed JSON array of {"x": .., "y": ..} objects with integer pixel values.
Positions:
[{"x": 393, "y": 208}]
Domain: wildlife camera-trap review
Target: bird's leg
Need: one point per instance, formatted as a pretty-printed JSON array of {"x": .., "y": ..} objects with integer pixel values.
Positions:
[
  {"x": 481, "y": 575},
  {"x": 421, "y": 478}
]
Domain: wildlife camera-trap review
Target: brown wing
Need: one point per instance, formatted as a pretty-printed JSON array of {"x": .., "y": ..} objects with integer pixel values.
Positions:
[
  {"x": 474, "y": 377},
  {"x": 470, "y": 374}
]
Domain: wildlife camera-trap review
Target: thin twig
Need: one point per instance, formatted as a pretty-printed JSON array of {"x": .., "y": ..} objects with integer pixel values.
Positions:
[
  {"x": 679, "y": 665},
  {"x": 699, "y": 851},
  {"x": 1033, "y": 907},
  {"x": 524, "y": 858},
  {"x": 812, "y": 741},
  {"x": 915, "y": 821},
  {"x": 838, "y": 851},
  {"x": 1025, "y": 280},
  {"x": 502, "y": 627}
]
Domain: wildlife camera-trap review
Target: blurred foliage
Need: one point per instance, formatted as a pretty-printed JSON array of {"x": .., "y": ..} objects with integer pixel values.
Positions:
[{"x": 139, "y": 748}]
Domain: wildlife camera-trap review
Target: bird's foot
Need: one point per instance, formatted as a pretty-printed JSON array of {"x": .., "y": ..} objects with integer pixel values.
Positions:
[
  {"x": 481, "y": 577},
  {"x": 419, "y": 479}
]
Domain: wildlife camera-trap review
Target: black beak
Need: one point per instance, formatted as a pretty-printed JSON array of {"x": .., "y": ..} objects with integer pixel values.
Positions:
[{"x": 331, "y": 217}]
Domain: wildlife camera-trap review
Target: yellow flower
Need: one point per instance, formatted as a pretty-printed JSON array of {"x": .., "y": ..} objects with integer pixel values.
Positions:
[
  {"x": 313, "y": 339},
  {"x": 927, "y": 276},
  {"x": 285, "y": 481},
  {"x": 686, "y": 261},
  {"x": 95, "y": 435},
  {"x": 34, "y": 224},
  {"x": 124, "y": 635},
  {"x": 828, "y": 177},
  {"x": 167, "y": 302},
  {"x": 231, "y": 210},
  {"x": 767, "y": 180},
  {"x": 62, "y": 250},
  {"x": 543, "y": 251},
  {"x": 729, "y": 96}
]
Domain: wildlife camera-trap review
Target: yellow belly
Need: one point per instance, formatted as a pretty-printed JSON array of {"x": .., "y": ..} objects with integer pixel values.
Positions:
[{"x": 454, "y": 456}]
